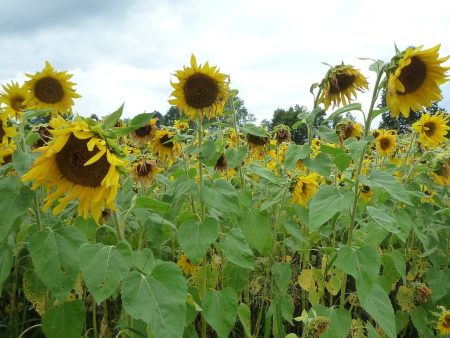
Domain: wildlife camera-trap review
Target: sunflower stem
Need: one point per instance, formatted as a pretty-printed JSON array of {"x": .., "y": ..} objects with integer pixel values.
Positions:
[
  {"x": 202, "y": 214},
  {"x": 37, "y": 211},
  {"x": 405, "y": 163},
  {"x": 351, "y": 227},
  {"x": 119, "y": 227},
  {"x": 94, "y": 318},
  {"x": 236, "y": 131}
]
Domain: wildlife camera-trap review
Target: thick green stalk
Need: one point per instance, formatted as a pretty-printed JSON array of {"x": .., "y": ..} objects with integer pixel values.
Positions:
[{"x": 357, "y": 174}]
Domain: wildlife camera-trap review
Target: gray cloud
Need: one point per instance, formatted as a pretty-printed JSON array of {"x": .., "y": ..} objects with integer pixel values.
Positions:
[{"x": 24, "y": 16}]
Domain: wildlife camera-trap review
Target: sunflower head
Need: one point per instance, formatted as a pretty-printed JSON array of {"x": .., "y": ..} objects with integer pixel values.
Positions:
[
  {"x": 51, "y": 89},
  {"x": 282, "y": 133},
  {"x": 77, "y": 164},
  {"x": 144, "y": 171},
  {"x": 366, "y": 194},
  {"x": 305, "y": 188},
  {"x": 13, "y": 97},
  {"x": 347, "y": 129},
  {"x": 221, "y": 163},
  {"x": 443, "y": 324},
  {"x": 201, "y": 90},
  {"x": 7, "y": 130},
  {"x": 432, "y": 129},
  {"x": 340, "y": 85},
  {"x": 181, "y": 125},
  {"x": 441, "y": 171},
  {"x": 6, "y": 152},
  {"x": 165, "y": 146},
  {"x": 414, "y": 77},
  {"x": 386, "y": 142},
  {"x": 145, "y": 133}
]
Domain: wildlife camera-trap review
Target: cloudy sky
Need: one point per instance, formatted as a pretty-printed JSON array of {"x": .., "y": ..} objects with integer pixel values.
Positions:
[{"x": 125, "y": 51}]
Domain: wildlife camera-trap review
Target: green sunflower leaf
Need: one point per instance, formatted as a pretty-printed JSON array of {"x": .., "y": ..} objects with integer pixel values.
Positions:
[
  {"x": 220, "y": 310},
  {"x": 159, "y": 299},
  {"x": 65, "y": 320},
  {"x": 103, "y": 268}
]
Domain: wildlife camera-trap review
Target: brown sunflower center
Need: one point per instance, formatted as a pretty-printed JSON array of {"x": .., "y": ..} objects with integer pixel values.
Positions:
[
  {"x": 166, "y": 141},
  {"x": 143, "y": 131},
  {"x": 2, "y": 132},
  {"x": 385, "y": 143},
  {"x": 17, "y": 103},
  {"x": 144, "y": 169},
  {"x": 200, "y": 91},
  {"x": 7, "y": 159},
  {"x": 257, "y": 140},
  {"x": 304, "y": 188},
  {"x": 341, "y": 82},
  {"x": 413, "y": 75},
  {"x": 221, "y": 163},
  {"x": 71, "y": 160},
  {"x": 365, "y": 189},
  {"x": 429, "y": 128},
  {"x": 446, "y": 321},
  {"x": 49, "y": 90}
]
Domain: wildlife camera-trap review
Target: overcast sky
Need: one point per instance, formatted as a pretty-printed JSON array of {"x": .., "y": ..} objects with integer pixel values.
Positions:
[{"x": 125, "y": 51}]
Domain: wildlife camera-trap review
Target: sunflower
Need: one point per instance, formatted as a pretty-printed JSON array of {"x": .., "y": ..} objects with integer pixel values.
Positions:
[
  {"x": 14, "y": 96},
  {"x": 6, "y": 152},
  {"x": 78, "y": 164},
  {"x": 202, "y": 90},
  {"x": 347, "y": 129},
  {"x": 145, "y": 133},
  {"x": 6, "y": 133},
  {"x": 428, "y": 195},
  {"x": 366, "y": 194},
  {"x": 144, "y": 171},
  {"x": 282, "y": 134},
  {"x": 185, "y": 264},
  {"x": 386, "y": 142},
  {"x": 305, "y": 188},
  {"x": 432, "y": 129},
  {"x": 181, "y": 125},
  {"x": 340, "y": 84},
  {"x": 164, "y": 145},
  {"x": 415, "y": 81},
  {"x": 443, "y": 324},
  {"x": 51, "y": 89},
  {"x": 441, "y": 174}
]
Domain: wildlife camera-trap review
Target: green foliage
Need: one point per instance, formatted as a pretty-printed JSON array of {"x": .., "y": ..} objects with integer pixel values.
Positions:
[
  {"x": 65, "y": 320},
  {"x": 220, "y": 310},
  {"x": 158, "y": 298}
]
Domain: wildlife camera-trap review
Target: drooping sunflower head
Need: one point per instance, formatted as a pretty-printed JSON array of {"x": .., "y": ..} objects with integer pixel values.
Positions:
[
  {"x": 340, "y": 85},
  {"x": 282, "y": 133},
  {"x": 386, "y": 142},
  {"x": 145, "y": 133},
  {"x": 414, "y": 80},
  {"x": 221, "y": 163},
  {"x": 305, "y": 188},
  {"x": 144, "y": 171},
  {"x": 165, "y": 146},
  {"x": 186, "y": 265},
  {"x": 77, "y": 165},
  {"x": 347, "y": 129},
  {"x": 13, "y": 97},
  {"x": 51, "y": 89},
  {"x": 443, "y": 324},
  {"x": 201, "y": 91},
  {"x": 432, "y": 129}
]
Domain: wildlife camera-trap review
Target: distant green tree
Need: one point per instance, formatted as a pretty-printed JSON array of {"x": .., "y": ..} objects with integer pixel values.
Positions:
[
  {"x": 169, "y": 118},
  {"x": 403, "y": 124},
  {"x": 289, "y": 118}
]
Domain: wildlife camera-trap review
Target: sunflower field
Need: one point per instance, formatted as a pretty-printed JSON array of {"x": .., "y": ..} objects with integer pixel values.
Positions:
[{"x": 116, "y": 227}]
